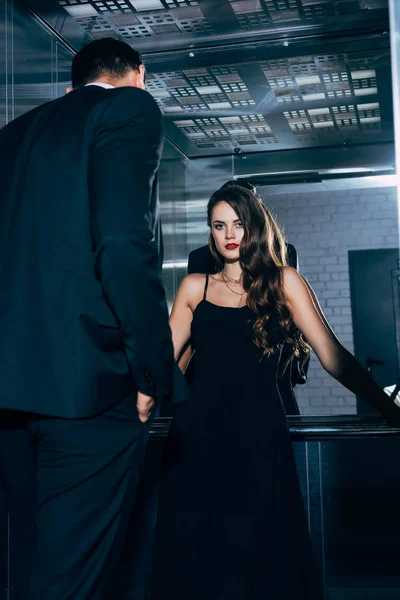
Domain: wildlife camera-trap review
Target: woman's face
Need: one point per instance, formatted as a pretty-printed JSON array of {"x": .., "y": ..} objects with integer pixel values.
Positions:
[{"x": 227, "y": 231}]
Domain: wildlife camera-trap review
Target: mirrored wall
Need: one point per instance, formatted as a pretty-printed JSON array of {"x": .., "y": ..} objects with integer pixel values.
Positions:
[
  {"x": 312, "y": 127},
  {"x": 346, "y": 235},
  {"x": 172, "y": 195},
  {"x": 307, "y": 118},
  {"x": 34, "y": 64}
]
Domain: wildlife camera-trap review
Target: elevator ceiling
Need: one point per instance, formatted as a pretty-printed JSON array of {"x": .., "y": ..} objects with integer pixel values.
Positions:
[{"x": 246, "y": 76}]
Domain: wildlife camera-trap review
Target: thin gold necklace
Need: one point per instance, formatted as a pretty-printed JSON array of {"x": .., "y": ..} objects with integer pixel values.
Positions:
[
  {"x": 231, "y": 278},
  {"x": 233, "y": 291}
]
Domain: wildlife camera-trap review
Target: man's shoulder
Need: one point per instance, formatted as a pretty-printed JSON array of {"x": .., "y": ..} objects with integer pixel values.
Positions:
[
  {"x": 24, "y": 119},
  {"x": 290, "y": 248},
  {"x": 129, "y": 102},
  {"x": 14, "y": 133},
  {"x": 203, "y": 251},
  {"x": 292, "y": 256},
  {"x": 202, "y": 261}
]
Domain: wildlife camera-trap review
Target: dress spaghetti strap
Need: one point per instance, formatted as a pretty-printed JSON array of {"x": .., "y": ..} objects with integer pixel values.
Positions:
[{"x": 205, "y": 287}]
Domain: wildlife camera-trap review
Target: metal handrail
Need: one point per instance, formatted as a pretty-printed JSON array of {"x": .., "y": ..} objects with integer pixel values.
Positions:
[{"x": 315, "y": 428}]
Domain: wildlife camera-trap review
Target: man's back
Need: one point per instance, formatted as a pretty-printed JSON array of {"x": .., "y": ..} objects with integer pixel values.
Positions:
[
  {"x": 83, "y": 321},
  {"x": 61, "y": 350}
]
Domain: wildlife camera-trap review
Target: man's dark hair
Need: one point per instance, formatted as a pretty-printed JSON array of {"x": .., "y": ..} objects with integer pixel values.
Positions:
[
  {"x": 242, "y": 183},
  {"x": 106, "y": 56}
]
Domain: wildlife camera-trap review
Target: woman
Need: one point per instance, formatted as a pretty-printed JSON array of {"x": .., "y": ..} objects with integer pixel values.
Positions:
[{"x": 231, "y": 522}]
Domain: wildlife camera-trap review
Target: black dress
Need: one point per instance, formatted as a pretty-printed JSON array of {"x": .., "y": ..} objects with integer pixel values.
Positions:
[{"x": 231, "y": 522}]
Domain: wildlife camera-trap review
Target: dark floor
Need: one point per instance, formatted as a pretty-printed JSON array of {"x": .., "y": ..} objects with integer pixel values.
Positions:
[{"x": 364, "y": 587}]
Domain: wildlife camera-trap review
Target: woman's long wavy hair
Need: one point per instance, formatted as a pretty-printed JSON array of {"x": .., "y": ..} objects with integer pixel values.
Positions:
[{"x": 262, "y": 256}]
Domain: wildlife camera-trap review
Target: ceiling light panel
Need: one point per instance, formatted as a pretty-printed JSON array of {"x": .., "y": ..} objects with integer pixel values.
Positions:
[
  {"x": 147, "y": 5},
  {"x": 157, "y": 20},
  {"x": 322, "y": 98},
  {"x": 305, "y": 88},
  {"x": 227, "y": 131}
]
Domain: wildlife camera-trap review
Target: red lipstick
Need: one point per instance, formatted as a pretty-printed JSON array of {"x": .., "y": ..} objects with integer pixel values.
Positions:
[{"x": 231, "y": 246}]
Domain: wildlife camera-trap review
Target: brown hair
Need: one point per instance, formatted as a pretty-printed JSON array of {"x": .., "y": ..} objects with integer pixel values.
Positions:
[{"x": 262, "y": 256}]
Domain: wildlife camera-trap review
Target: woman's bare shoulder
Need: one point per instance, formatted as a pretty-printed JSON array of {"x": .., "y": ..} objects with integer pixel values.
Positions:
[
  {"x": 290, "y": 276},
  {"x": 296, "y": 287},
  {"x": 192, "y": 285}
]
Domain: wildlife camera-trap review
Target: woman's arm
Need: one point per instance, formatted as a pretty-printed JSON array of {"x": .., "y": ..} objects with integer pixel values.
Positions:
[
  {"x": 187, "y": 298},
  {"x": 185, "y": 357},
  {"x": 336, "y": 360}
]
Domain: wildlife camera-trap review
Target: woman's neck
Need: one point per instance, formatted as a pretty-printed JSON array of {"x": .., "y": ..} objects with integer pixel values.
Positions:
[{"x": 233, "y": 270}]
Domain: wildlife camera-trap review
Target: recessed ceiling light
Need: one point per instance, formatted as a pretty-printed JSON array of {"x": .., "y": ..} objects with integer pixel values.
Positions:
[
  {"x": 370, "y": 106},
  {"x": 307, "y": 79},
  {"x": 323, "y": 124},
  {"x": 366, "y": 91},
  {"x": 318, "y": 111},
  {"x": 171, "y": 109},
  {"x": 81, "y": 10},
  {"x": 313, "y": 97},
  {"x": 219, "y": 105},
  {"x": 230, "y": 119},
  {"x": 246, "y": 6},
  {"x": 240, "y": 132},
  {"x": 297, "y": 120},
  {"x": 193, "y": 134},
  {"x": 185, "y": 123},
  {"x": 160, "y": 93},
  {"x": 208, "y": 89},
  {"x": 366, "y": 74},
  {"x": 370, "y": 119},
  {"x": 147, "y": 5}
]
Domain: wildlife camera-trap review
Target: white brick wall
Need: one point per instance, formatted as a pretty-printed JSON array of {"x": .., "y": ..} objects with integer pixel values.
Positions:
[{"x": 324, "y": 226}]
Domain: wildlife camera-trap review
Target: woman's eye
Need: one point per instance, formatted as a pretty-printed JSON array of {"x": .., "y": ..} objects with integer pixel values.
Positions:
[
  {"x": 218, "y": 226},
  {"x": 239, "y": 224}
]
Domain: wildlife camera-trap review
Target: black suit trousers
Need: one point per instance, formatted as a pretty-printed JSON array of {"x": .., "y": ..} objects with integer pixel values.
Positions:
[
  {"x": 18, "y": 504},
  {"x": 87, "y": 475}
]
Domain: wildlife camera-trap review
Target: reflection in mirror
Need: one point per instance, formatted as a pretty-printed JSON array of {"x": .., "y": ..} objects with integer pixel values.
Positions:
[
  {"x": 346, "y": 236},
  {"x": 310, "y": 123},
  {"x": 173, "y": 214},
  {"x": 312, "y": 109}
]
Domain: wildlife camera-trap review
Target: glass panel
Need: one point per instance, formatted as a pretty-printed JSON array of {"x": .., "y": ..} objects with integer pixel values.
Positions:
[
  {"x": 62, "y": 58},
  {"x": 34, "y": 65},
  {"x": 3, "y": 63},
  {"x": 173, "y": 215},
  {"x": 346, "y": 236},
  {"x": 338, "y": 204}
]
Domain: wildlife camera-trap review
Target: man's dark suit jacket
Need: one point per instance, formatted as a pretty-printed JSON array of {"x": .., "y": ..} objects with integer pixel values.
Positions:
[
  {"x": 83, "y": 315},
  {"x": 202, "y": 261}
]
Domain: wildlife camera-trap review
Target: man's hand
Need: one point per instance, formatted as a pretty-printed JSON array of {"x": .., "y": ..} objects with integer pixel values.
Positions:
[{"x": 144, "y": 405}]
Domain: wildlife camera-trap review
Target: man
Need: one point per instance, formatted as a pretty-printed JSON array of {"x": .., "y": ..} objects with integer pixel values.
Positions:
[
  {"x": 202, "y": 261},
  {"x": 86, "y": 347}
]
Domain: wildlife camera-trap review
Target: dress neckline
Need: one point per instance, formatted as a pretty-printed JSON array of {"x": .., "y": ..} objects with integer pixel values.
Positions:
[
  {"x": 212, "y": 303},
  {"x": 218, "y": 305}
]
